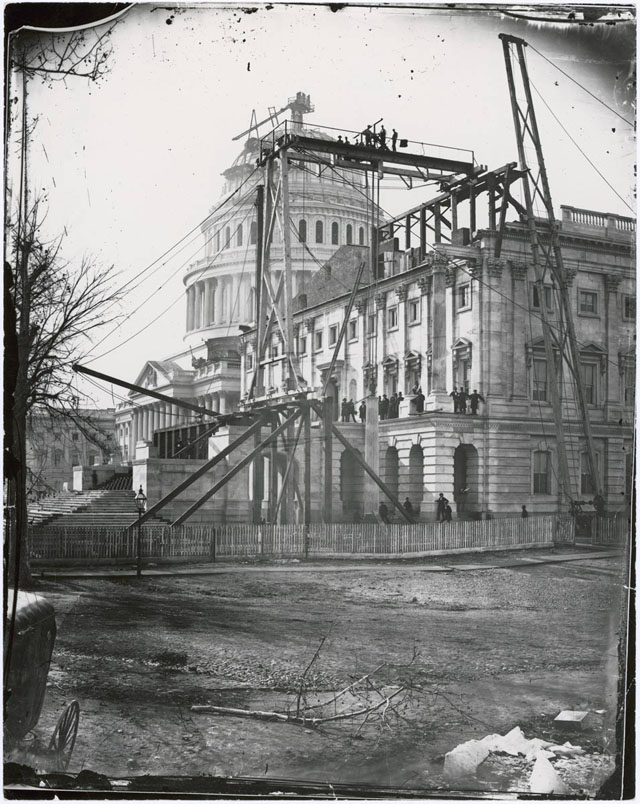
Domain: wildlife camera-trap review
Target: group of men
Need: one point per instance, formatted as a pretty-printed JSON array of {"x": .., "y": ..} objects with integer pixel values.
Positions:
[
  {"x": 348, "y": 410},
  {"x": 383, "y": 511},
  {"x": 461, "y": 398},
  {"x": 371, "y": 137},
  {"x": 389, "y": 408}
]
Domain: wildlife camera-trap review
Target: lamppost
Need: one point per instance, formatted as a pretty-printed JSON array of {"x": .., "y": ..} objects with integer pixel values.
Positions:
[{"x": 141, "y": 504}]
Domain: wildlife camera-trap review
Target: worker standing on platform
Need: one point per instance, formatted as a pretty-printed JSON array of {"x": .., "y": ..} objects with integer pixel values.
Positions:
[
  {"x": 344, "y": 410},
  {"x": 394, "y": 139},
  {"x": 362, "y": 412},
  {"x": 474, "y": 400},
  {"x": 368, "y": 134},
  {"x": 383, "y": 138}
]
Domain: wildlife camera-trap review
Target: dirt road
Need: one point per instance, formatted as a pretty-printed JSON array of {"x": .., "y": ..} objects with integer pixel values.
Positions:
[{"x": 477, "y": 652}]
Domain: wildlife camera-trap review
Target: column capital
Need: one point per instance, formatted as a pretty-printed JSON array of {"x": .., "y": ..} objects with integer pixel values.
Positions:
[
  {"x": 381, "y": 300},
  {"x": 424, "y": 283},
  {"x": 495, "y": 267},
  {"x": 611, "y": 283},
  {"x": 310, "y": 324},
  {"x": 401, "y": 291},
  {"x": 475, "y": 268},
  {"x": 570, "y": 275},
  {"x": 361, "y": 306},
  {"x": 518, "y": 269}
]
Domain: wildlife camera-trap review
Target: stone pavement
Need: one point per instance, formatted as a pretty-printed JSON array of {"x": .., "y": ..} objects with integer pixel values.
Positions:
[{"x": 485, "y": 562}]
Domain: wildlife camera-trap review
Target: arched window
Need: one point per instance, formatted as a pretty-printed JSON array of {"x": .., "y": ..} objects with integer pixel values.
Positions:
[
  {"x": 253, "y": 233},
  {"x": 361, "y": 235},
  {"x": 416, "y": 474},
  {"x": 239, "y": 235},
  {"x": 227, "y": 236},
  {"x": 302, "y": 231},
  {"x": 349, "y": 234},
  {"x": 218, "y": 241},
  {"x": 319, "y": 232},
  {"x": 335, "y": 234},
  {"x": 391, "y": 469},
  {"x": 251, "y": 305}
]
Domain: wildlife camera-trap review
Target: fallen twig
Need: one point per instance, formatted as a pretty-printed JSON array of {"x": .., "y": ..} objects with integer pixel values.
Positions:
[{"x": 284, "y": 718}]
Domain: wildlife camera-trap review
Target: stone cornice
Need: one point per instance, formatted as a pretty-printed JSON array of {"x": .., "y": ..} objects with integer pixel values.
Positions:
[{"x": 569, "y": 238}]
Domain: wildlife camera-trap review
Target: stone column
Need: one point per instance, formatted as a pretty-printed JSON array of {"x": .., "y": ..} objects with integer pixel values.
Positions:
[
  {"x": 381, "y": 334},
  {"x": 207, "y": 301},
  {"x": 611, "y": 379},
  {"x": 361, "y": 307},
  {"x": 214, "y": 296},
  {"x": 133, "y": 435},
  {"x": 517, "y": 359},
  {"x": 438, "y": 335},
  {"x": 401, "y": 293},
  {"x": 372, "y": 493}
]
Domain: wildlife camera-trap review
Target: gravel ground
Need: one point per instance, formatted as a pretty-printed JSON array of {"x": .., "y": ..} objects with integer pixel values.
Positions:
[{"x": 481, "y": 650}]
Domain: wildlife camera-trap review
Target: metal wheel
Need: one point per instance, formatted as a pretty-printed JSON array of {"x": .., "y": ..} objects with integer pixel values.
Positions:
[{"x": 63, "y": 738}]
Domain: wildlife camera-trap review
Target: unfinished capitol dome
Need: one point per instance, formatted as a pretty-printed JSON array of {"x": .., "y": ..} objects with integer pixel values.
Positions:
[{"x": 328, "y": 209}]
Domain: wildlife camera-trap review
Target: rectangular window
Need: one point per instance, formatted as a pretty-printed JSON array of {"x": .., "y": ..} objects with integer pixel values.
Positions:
[
  {"x": 539, "y": 380},
  {"x": 463, "y": 297},
  {"x": 317, "y": 343},
  {"x": 629, "y": 307},
  {"x": 588, "y": 302},
  {"x": 249, "y": 362},
  {"x": 414, "y": 311},
  {"x": 333, "y": 335},
  {"x": 589, "y": 382},
  {"x": 541, "y": 483},
  {"x": 535, "y": 297},
  {"x": 302, "y": 345},
  {"x": 372, "y": 325},
  {"x": 353, "y": 329},
  {"x": 629, "y": 384},
  {"x": 392, "y": 318},
  {"x": 74, "y": 437}
]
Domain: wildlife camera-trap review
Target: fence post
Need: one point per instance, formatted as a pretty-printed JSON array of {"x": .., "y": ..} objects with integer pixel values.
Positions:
[{"x": 212, "y": 545}]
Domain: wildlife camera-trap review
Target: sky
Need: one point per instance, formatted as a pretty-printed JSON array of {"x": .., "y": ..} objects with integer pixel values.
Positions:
[{"x": 130, "y": 164}]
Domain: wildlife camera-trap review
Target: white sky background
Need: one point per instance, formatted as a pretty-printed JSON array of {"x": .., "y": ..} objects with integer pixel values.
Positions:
[{"x": 136, "y": 158}]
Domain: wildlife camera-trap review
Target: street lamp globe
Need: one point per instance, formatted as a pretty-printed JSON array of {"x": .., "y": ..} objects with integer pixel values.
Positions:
[{"x": 141, "y": 501}]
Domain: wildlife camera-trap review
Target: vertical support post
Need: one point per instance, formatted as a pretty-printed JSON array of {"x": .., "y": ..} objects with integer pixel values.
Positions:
[
  {"x": 492, "y": 202},
  {"x": 291, "y": 379},
  {"x": 563, "y": 463},
  {"x": 407, "y": 232},
  {"x": 258, "y": 381},
  {"x": 258, "y": 480},
  {"x": 327, "y": 423},
  {"x": 307, "y": 468},
  {"x": 472, "y": 208},
  {"x": 423, "y": 232},
  {"x": 437, "y": 223},
  {"x": 454, "y": 212},
  {"x": 273, "y": 473},
  {"x": 139, "y": 546}
]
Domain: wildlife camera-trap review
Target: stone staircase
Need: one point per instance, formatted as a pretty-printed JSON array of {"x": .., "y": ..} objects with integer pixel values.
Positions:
[
  {"x": 102, "y": 508},
  {"x": 48, "y": 509}
]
